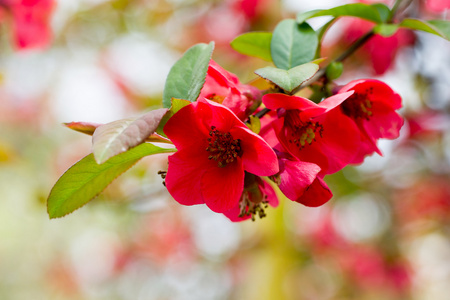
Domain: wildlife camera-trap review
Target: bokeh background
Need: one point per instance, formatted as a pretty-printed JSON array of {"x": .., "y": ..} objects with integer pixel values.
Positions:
[{"x": 384, "y": 235}]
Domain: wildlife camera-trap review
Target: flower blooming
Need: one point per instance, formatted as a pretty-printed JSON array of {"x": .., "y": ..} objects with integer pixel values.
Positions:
[
  {"x": 372, "y": 108},
  {"x": 214, "y": 150},
  {"x": 224, "y": 87},
  {"x": 298, "y": 180},
  {"x": 310, "y": 133}
]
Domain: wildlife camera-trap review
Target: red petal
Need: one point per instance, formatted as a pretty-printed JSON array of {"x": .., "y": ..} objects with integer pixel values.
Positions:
[
  {"x": 222, "y": 187},
  {"x": 221, "y": 117},
  {"x": 233, "y": 214},
  {"x": 183, "y": 180},
  {"x": 317, "y": 194},
  {"x": 187, "y": 129},
  {"x": 385, "y": 122},
  {"x": 257, "y": 156},
  {"x": 296, "y": 176},
  {"x": 275, "y": 101}
]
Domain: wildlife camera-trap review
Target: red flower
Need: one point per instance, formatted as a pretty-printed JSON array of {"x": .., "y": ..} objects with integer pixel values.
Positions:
[
  {"x": 224, "y": 87},
  {"x": 31, "y": 22},
  {"x": 372, "y": 107},
  {"x": 309, "y": 132},
  {"x": 298, "y": 180},
  {"x": 214, "y": 149}
]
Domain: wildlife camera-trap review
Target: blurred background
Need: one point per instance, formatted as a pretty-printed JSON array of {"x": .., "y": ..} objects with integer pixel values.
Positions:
[{"x": 384, "y": 235}]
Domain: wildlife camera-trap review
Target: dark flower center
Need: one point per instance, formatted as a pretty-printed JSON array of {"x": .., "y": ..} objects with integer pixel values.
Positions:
[
  {"x": 301, "y": 133},
  {"x": 253, "y": 200},
  {"x": 249, "y": 208},
  {"x": 358, "y": 105},
  {"x": 222, "y": 147}
]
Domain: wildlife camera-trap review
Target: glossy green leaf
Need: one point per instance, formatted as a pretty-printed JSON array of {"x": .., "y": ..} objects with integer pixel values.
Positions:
[
  {"x": 383, "y": 11},
  {"x": 288, "y": 80},
  {"x": 437, "y": 27},
  {"x": 293, "y": 44},
  {"x": 86, "y": 179},
  {"x": 116, "y": 137},
  {"x": 177, "y": 104},
  {"x": 187, "y": 76},
  {"x": 255, "y": 44},
  {"x": 385, "y": 30},
  {"x": 334, "y": 70},
  {"x": 360, "y": 10}
]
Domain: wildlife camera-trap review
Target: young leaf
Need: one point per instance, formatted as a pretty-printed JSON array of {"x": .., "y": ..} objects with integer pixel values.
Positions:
[
  {"x": 255, "y": 44},
  {"x": 290, "y": 79},
  {"x": 83, "y": 127},
  {"x": 119, "y": 136},
  {"x": 187, "y": 76},
  {"x": 360, "y": 10},
  {"x": 383, "y": 11},
  {"x": 334, "y": 70},
  {"x": 254, "y": 124},
  {"x": 437, "y": 27},
  {"x": 293, "y": 44},
  {"x": 86, "y": 179},
  {"x": 177, "y": 104},
  {"x": 385, "y": 30}
]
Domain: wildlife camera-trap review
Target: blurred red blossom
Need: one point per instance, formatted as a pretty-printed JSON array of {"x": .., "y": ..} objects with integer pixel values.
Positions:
[
  {"x": 30, "y": 21},
  {"x": 380, "y": 52}
]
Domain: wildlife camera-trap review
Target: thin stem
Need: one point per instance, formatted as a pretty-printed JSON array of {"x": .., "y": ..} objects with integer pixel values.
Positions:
[{"x": 394, "y": 10}]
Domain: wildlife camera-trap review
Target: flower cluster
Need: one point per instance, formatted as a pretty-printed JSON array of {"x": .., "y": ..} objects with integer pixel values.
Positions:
[{"x": 222, "y": 163}]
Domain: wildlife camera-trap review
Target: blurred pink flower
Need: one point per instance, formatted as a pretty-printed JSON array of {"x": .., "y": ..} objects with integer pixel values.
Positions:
[{"x": 30, "y": 22}]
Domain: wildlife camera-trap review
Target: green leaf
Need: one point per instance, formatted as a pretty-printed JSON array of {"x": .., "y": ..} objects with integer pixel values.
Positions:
[
  {"x": 187, "y": 76},
  {"x": 443, "y": 26},
  {"x": 254, "y": 124},
  {"x": 177, "y": 104},
  {"x": 334, "y": 70},
  {"x": 360, "y": 10},
  {"x": 119, "y": 136},
  {"x": 383, "y": 11},
  {"x": 255, "y": 44},
  {"x": 290, "y": 79},
  {"x": 437, "y": 27},
  {"x": 293, "y": 44},
  {"x": 385, "y": 30},
  {"x": 86, "y": 179}
]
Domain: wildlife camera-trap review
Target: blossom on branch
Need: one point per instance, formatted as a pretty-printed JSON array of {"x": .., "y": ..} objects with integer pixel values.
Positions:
[
  {"x": 224, "y": 87},
  {"x": 372, "y": 108},
  {"x": 310, "y": 133},
  {"x": 214, "y": 150}
]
